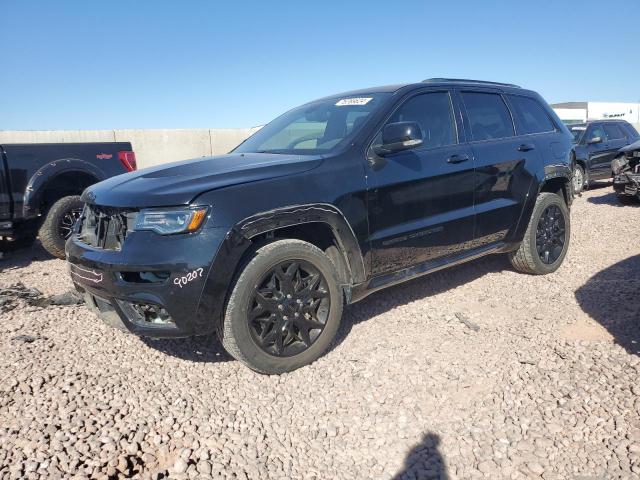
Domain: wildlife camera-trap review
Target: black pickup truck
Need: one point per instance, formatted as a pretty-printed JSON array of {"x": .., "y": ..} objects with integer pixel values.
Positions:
[{"x": 40, "y": 186}]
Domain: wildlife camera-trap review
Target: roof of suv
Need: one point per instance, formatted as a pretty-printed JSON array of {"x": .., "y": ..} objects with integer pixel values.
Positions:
[
  {"x": 431, "y": 82},
  {"x": 608, "y": 120},
  {"x": 469, "y": 82},
  {"x": 604, "y": 120}
]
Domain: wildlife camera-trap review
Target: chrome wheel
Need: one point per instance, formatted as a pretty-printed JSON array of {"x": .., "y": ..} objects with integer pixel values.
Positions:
[{"x": 578, "y": 179}]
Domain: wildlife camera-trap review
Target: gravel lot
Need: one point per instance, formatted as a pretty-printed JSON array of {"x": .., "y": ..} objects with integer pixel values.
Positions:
[{"x": 473, "y": 372}]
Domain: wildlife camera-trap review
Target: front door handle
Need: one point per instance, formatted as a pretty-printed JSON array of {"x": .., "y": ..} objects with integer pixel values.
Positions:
[
  {"x": 526, "y": 147},
  {"x": 457, "y": 158}
]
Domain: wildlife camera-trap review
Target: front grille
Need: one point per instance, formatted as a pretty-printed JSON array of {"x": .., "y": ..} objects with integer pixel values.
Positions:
[{"x": 105, "y": 227}]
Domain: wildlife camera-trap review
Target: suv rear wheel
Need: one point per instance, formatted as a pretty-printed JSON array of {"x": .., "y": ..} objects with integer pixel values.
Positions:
[
  {"x": 284, "y": 308},
  {"x": 58, "y": 224},
  {"x": 546, "y": 241}
]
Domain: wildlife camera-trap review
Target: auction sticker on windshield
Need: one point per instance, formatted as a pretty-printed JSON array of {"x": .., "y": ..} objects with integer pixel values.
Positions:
[{"x": 353, "y": 101}]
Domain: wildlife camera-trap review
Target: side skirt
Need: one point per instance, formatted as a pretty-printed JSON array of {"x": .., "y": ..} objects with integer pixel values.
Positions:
[{"x": 362, "y": 290}]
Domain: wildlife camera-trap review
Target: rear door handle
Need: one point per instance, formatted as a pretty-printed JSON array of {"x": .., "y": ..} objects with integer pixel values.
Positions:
[
  {"x": 457, "y": 158},
  {"x": 526, "y": 147}
]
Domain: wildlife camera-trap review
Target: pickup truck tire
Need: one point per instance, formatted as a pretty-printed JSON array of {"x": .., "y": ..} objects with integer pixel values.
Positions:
[
  {"x": 546, "y": 241},
  {"x": 58, "y": 223},
  {"x": 284, "y": 308}
]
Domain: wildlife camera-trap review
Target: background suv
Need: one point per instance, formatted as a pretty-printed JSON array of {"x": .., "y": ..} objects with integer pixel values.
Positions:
[
  {"x": 596, "y": 144},
  {"x": 329, "y": 202}
]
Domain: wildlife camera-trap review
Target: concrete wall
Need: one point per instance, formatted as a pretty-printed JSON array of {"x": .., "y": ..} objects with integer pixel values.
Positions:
[{"x": 152, "y": 147}]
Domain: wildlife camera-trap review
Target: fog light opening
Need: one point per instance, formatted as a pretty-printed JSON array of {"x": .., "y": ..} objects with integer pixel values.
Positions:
[
  {"x": 148, "y": 314},
  {"x": 152, "y": 313}
]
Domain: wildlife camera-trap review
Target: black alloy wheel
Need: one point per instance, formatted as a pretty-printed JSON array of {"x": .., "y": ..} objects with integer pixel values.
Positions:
[
  {"x": 550, "y": 234},
  {"x": 58, "y": 224},
  {"x": 67, "y": 221},
  {"x": 289, "y": 308}
]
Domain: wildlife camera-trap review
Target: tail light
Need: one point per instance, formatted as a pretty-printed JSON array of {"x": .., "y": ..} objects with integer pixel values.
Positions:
[{"x": 128, "y": 159}]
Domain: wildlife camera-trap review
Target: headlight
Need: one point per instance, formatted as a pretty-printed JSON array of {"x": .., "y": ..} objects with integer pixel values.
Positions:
[{"x": 167, "y": 221}]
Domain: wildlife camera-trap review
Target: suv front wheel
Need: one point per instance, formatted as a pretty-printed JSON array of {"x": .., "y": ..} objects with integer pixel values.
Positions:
[
  {"x": 284, "y": 309},
  {"x": 546, "y": 241},
  {"x": 579, "y": 179}
]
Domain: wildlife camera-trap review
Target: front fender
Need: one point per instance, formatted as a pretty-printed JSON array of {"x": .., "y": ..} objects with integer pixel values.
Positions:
[
  {"x": 238, "y": 240},
  {"x": 580, "y": 155},
  {"x": 39, "y": 180}
]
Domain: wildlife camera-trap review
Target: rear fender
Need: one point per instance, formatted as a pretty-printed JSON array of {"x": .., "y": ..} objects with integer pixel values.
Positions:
[{"x": 560, "y": 173}]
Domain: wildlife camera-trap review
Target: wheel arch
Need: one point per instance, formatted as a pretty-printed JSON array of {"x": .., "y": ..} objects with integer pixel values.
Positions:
[
  {"x": 560, "y": 185},
  {"x": 582, "y": 163},
  {"x": 57, "y": 179},
  {"x": 555, "y": 179},
  {"x": 322, "y": 225}
]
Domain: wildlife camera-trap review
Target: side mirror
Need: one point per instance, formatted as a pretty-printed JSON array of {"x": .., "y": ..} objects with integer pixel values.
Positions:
[
  {"x": 594, "y": 140},
  {"x": 399, "y": 136}
]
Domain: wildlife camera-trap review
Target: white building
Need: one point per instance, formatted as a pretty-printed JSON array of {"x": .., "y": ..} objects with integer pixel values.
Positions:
[{"x": 576, "y": 112}]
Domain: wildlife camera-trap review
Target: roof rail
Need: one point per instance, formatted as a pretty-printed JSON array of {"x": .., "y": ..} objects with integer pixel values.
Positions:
[{"x": 464, "y": 80}]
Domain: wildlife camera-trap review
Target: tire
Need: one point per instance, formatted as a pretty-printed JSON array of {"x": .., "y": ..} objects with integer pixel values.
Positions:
[
  {"x": 56, "y": 229},
  {"x": 241, "y": 336},
  {"x": 526, "y": 258},
  {"x": 579, "y": 180}
]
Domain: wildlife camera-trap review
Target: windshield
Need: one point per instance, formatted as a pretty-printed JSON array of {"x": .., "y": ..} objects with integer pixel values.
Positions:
[
  {"x": 315, "y": 128},
  {"x": 577, "y": 133}
]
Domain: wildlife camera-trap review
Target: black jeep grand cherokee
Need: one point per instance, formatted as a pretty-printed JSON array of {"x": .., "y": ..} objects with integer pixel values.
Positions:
[{"x": 329, "y": 202}]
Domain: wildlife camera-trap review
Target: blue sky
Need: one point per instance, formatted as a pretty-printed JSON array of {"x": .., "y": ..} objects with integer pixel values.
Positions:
[{"x": 183, "y": 64}]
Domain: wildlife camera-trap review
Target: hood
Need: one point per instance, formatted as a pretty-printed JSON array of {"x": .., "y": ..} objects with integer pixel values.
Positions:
[
  {"x": 630, "y": 148},
  {"x": 178, "y": 183}
]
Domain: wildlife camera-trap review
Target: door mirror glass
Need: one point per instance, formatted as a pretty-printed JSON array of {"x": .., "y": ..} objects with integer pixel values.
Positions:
[
  {"x": 399, "y": 136},
  {"x": 594, "y": 140}
]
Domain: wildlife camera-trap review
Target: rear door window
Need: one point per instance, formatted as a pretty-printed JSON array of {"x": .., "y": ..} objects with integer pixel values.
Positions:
[
  {"x": 613, "y": 131},
  {"x": 533, "y": 117},
  {"x": 488, "y": 116}
]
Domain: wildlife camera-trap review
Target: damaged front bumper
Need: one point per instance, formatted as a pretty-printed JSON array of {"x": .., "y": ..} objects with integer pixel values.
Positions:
[
  {"x": 627, "y": 184},
  {"x": 626, "y": 171},
  {"x": 153, "y": 286}
]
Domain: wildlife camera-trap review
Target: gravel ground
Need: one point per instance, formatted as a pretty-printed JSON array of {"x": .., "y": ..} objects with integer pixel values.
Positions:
[{"x": 473, "y": 372}]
